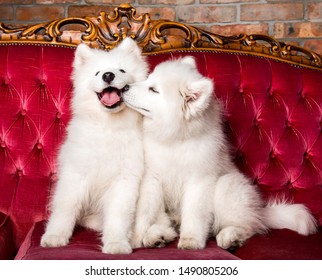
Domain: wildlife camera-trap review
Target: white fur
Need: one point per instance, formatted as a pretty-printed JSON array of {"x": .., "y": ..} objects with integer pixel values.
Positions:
[
  {"x": 101, "y": 161},
  {"x": 278, "y": 215},
  {"x": 189, "y": 178}
]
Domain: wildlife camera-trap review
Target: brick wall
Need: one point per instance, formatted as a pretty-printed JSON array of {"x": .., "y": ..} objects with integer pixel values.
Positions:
[{"x": 296, "y": 21}]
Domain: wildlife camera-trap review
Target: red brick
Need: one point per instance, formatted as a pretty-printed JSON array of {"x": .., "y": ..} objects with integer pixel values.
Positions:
[
  {"x": 298, "y": 30},
  {"x": 225, "y": 1},
  {"x": 316, "y": 28},
  {"x": 157, "y": 13},
  {"x": 206, "y": 14},
  {"x": 315, "y": 11},
  {"x": 56, "y": 1},
  {"x": 166, "y": 2},
  {"x": 236, "y": 29},
  {"x": 39, "y": 13},
  {"x": 114, "y": 2},
  {"x": 93, "y": 10},
  {"x": 258, "y": 12},
  {"x": 285, "y": 1},
  {"x": 290, "y": 42},
  {"x": 15, "y": 2},
  {"x": 6, "y": 13},
  {"x": 314, "y": 45}
]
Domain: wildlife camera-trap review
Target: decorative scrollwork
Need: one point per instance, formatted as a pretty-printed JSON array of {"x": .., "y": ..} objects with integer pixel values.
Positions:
[{"x": 154, "y": 36}]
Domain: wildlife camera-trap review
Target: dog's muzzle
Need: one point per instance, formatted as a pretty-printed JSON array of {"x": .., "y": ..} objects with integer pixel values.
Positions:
[{"x": 111, "y": 97}]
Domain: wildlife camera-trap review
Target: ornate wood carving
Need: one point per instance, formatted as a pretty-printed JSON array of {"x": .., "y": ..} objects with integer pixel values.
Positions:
[{"x": 154, "y": 36}]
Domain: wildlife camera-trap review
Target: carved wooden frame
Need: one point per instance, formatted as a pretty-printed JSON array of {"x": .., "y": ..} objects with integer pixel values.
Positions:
[{"x": 154, "y": 36}]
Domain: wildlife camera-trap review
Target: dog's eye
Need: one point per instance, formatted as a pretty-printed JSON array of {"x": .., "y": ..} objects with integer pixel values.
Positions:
[
  {"x": 153, "y": 90},
  {"x": 122, "y": 70},
  {"x": 97, "y": 73}
]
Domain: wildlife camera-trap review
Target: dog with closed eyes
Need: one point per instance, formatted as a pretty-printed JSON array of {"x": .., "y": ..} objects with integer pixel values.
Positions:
[{"x": 190, "y": 180}]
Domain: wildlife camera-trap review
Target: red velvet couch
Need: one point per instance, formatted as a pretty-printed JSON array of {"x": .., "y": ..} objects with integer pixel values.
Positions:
[{"x": 272, "y": 93}]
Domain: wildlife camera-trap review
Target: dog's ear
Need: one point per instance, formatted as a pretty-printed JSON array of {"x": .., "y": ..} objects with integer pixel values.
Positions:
[
  {"x": 197, "y": 97},
  {"x": 131, "y": 46},
  {"x": 83, "y": 52},
  {"x": 189, "y": 60}
]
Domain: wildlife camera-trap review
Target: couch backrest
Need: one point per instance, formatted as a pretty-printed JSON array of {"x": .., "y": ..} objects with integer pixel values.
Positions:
[
  {"x": 273, "y": 108},
  {"x": 35, "y": 91},
  {"x": 272, "y": 120}
]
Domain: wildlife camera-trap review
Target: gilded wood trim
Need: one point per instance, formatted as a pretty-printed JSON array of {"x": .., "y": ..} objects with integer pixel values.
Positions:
[{"x": 154, "y": 36}]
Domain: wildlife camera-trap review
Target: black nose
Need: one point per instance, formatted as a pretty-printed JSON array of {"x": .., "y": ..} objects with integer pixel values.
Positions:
[{"x": 108, "y": 77}]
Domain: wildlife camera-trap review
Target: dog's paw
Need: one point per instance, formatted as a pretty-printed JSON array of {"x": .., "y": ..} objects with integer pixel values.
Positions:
[
  {"x": 158, "y": 237},
  {"x": 154, "y": 242},
  {"x": 231, "y": 238},
  {"x": 122, "y": 247},
  {"x": 49, "y": 240},
  {"x": 190, "y": 243}
]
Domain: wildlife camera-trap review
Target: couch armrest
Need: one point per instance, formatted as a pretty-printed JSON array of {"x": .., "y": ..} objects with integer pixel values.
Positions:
[{"x": 6, "y": 239}]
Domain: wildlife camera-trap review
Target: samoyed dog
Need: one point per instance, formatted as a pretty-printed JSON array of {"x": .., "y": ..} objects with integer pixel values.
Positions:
[
  {"x": 190, "y": 180},
  {"x": 101, "y": 162}
]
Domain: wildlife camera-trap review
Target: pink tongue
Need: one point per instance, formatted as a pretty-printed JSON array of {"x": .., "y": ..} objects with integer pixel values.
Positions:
[{"x": 109, "y": 99}]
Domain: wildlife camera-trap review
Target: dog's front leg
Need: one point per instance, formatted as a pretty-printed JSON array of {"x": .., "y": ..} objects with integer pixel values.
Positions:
[
  {"x": 66, "y": 206},
  {"x": 195, "y": 214},
  {"x": 150, "y": 204},
  {"x": 118, "y": 215}
]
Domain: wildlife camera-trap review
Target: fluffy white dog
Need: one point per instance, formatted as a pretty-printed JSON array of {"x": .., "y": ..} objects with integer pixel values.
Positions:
[
  {"x": 101, "y": 162},
  {"x": 189, "y": 176}
]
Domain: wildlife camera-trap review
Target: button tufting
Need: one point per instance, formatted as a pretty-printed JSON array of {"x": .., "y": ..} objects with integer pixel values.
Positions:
[
  {"x": 19, "y": 172},
  {"x": 3, "y": 144},
  {"x": 39, "y": 146},
  {"x": 289, "y": 184},
  {"x": 256, "y": 181},
  {"x": 302, "y": 94},
  {"x": 42, "y": 82},
  {"x": 58, "y": 115},
  {"x": 23, "y": 112},
  {"x": 6, "y": 81},
  {"x": 272, "y": 154},
  {"x": 287, "y": 123},
  {"x": 256, "y": 122}
]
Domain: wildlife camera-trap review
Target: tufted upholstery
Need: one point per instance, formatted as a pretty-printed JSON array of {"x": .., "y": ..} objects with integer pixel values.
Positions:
[
  {"x": 35, "y": 93},
  {"x": 272, "y": 119},
  {"x": 273, "y": 113}
]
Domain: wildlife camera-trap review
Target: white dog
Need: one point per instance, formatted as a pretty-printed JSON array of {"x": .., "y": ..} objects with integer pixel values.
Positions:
[
  {"x": 189, "y": 176},
  {"x": 101, "y": 162}
]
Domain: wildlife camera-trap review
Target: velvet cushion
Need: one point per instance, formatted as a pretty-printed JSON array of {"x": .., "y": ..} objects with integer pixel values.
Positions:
[
  {"x": 6, "y": 241},
  {"x": 282, "y": 245},
  {"x": 85, "y": 245}
]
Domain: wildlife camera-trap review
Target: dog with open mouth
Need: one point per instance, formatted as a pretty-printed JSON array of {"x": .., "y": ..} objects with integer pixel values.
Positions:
[
  {"x": 100, "y": 164},
  {"x": 111, "y": 97},
  {"x": 109, "y": 87}
]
